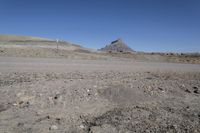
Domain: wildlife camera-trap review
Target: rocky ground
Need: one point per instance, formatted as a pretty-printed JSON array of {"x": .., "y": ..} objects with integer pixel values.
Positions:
[{"x": 39, "y": 95}]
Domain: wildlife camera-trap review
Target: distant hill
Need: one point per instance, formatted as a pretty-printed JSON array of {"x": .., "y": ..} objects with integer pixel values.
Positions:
[
  {"x": 38, "y": 42},
  {"x": 117, "y": 46},
  {"x": 21, "y": 38}
]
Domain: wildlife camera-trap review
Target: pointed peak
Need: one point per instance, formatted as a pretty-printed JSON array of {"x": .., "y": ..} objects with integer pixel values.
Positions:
[{"x": 117, "y": 46}]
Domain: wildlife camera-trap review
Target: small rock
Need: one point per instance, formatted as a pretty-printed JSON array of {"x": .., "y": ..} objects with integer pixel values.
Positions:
[
  {"x": 188, "y": 91},
  {"x": 53, "y": 127},
  {"x": 15, "y": 104},
  {"x": 149, "y": 78},
  {"x": 160, "y": 88},
  {"x": 196, "y": 88},
  {"x": 82, "y": 126},
  {"x": 58, "y": 119},
  {"x": 21, "y": 102},
  {"x": 57, "y": 96},
  {"x": 20, "y": 124},
  {"x": 48, "y": 117},
  {"x": 196, "y": 91},
  {"x": 183, "y": 86},
  {"x": 199, "y": 115}
]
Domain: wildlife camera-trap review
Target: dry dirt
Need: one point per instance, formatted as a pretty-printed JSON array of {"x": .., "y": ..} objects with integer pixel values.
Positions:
[
  {"x": 51, "y": 95},
  {"x": 52, "y": 49}
]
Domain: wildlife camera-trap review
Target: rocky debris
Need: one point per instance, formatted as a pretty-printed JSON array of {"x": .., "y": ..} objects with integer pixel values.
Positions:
[
  {"x": 196, "y": 90},
  {"x": 160, "y": 88},
  {"x": 82, "y": 126},
  {"x": 142, "y": 119},
  {"x": 23, "y": 100},
  {"x": 117, "y": 46},
  {"x": 108, "y": 101},
  {"x": 53, "y": 127},
  {"x": 43, "y": 118},
  {"x": 122, "y": 95},
  {"x": 187, "y": 90},
  {"x": 20, "y": 124},
  {"x": 104, "y": 129}
]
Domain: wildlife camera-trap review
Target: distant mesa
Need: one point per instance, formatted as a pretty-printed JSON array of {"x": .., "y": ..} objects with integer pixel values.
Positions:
[{"x": 117, "y": 46}]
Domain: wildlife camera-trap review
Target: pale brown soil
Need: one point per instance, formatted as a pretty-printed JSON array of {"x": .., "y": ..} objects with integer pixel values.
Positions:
[
  {"x": 51, "y": 95},
  {"x": 49, "y": 49}
]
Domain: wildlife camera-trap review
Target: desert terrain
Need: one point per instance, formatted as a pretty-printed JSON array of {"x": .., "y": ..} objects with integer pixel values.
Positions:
[{"x": 71, "y": 89}]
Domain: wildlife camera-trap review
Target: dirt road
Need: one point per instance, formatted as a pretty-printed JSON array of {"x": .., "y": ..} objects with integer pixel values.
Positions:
[
  {"x": 54, "y": 95},
  {"x": 8, "y": 64}
]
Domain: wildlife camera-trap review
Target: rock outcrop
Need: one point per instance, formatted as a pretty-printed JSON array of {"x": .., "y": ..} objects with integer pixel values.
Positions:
[{"x": 117, "y": 46}]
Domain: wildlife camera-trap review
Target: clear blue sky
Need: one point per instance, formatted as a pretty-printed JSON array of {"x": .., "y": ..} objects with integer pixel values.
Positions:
[{"x": 145, "y": 25}]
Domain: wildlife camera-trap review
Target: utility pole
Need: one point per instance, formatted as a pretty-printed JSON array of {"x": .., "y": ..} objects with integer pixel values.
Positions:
[{"x": 57, "y": 41}]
